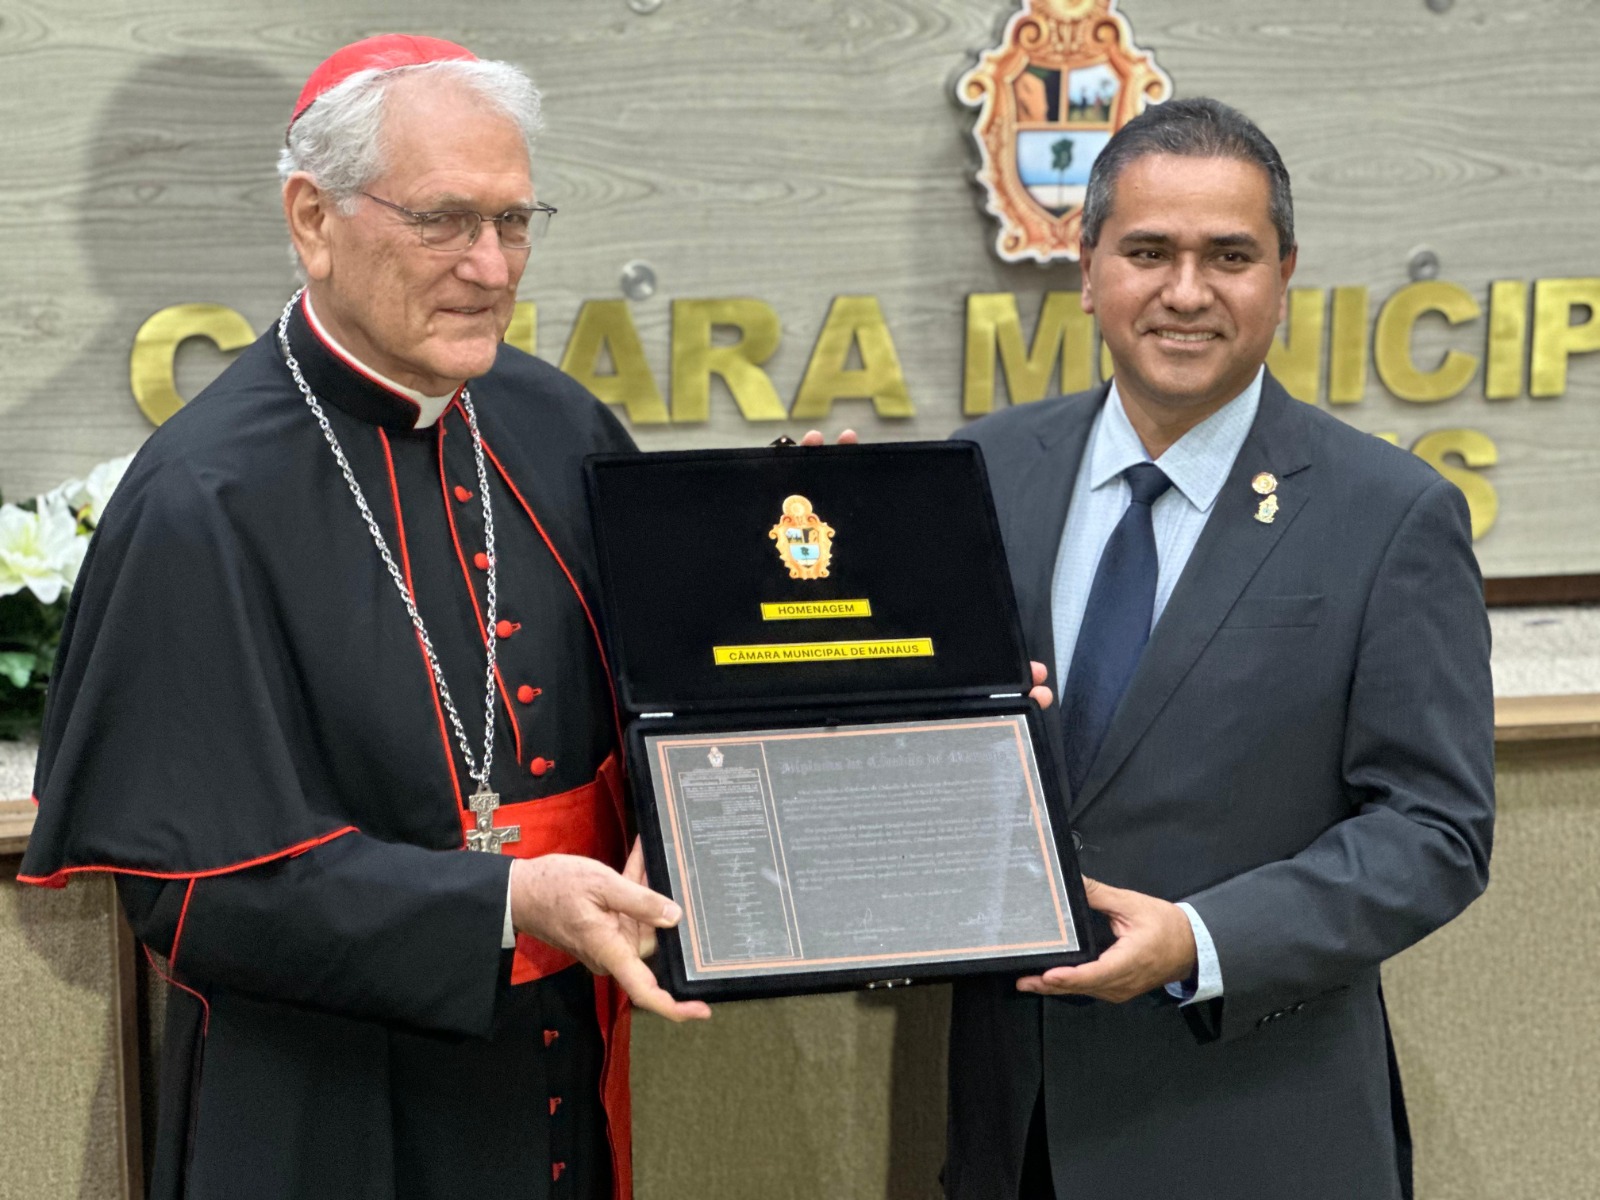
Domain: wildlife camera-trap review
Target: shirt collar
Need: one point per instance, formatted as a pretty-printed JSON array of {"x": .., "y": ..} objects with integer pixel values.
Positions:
[
  {"x": 1197, "y": 463},
  {"x": 345, "y": 381}
]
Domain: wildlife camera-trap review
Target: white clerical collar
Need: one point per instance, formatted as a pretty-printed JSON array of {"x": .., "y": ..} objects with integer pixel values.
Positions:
[{"x": 429, "y": 408}]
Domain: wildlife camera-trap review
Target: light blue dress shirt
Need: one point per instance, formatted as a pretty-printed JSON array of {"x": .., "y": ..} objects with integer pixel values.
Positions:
[{"x": 1198, "y": 464}]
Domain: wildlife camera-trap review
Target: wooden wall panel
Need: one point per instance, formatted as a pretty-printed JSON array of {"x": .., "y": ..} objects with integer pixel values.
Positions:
[{"x": 794, "y": 153}]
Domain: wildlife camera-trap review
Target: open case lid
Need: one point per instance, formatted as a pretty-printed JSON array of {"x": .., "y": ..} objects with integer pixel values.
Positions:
[{"x": 789, "y": 576}]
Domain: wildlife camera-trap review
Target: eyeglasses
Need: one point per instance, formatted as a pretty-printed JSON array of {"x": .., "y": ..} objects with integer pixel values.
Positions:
[{"x": 458, "y": 228}]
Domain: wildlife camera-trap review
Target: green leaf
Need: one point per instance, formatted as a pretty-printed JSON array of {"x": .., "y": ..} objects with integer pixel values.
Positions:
[
  {"x": 17, "y": 666},
  {"x": 30, "y": 633},
  {"x": 25, "y": 624}
]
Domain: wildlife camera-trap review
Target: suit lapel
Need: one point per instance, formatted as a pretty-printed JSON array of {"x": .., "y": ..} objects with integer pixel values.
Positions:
[
  {"x": 1034, "y": 525},
  {"x": 1231, "y": 549}
]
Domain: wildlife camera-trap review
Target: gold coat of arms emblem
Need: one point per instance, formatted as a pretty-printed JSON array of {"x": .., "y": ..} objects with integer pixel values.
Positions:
[
  {"x": 1065, "y": 77},
  {"x": 805, "y": 540}
]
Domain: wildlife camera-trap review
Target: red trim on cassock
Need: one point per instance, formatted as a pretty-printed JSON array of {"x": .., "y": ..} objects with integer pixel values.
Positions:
[
  {"x": 57, "y": 879},
  {"x": 581, "y": 821},
  {"x": 616, "y": 1015},
  {"x": 364, "y": 371},
  {"x": 611, "y": 1002},
  {"x": 183, "y": 915},
  {"x": 205, "y": 1007},
  {"x": 405, "y": 561},
  {"x": 594, "y": 627},
  {"x": 466, "y": 576}
]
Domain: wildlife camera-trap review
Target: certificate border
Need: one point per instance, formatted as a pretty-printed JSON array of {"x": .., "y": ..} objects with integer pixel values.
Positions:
[{"x": 668, "y": 798}]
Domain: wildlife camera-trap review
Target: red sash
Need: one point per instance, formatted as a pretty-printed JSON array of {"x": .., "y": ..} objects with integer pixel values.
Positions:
[{"x": 584, "y": 821}]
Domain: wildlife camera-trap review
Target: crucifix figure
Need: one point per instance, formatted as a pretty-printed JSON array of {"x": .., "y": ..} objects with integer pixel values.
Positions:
[{"x": 486, "y": 837}]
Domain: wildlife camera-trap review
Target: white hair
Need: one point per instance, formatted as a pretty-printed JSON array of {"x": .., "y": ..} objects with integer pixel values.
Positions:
[{"x": 339, "y": 142}]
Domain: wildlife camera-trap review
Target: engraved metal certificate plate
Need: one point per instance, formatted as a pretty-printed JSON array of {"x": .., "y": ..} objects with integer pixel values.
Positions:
[{"x": 859, "y": 846}]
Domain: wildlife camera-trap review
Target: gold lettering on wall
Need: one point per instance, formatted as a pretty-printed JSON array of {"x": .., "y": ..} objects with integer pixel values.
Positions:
[
  {"x": 1298, "y": 362},
  {"x": 854, "y": 323},
  {"x": 1391, "y": 346},
  {"x": 155, "y": 350},
  {"x": 1508, "y": 340},
  {"x": 1555, "y": 337},
  {"x": 696, "y": 357},
  {"x": 1062, "y": 338},
  {"x": 523, "y": 332},
  {"x": 1531, "y": 332},
  {"x": 1473, "y": 449},
  {"x": 1347, "y": 346},
  {"x": 605, "y": 327}
]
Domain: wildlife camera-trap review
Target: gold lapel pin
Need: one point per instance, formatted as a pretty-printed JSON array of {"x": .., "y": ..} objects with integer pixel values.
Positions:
[{"x": 1265, "y": 485}]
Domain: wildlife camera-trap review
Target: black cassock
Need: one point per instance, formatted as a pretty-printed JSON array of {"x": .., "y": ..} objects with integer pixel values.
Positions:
[{"x": 243, "y": 727}]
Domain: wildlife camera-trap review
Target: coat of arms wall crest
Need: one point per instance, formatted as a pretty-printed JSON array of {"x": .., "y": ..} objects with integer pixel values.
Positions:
[{"x": 1065, "y": 77}]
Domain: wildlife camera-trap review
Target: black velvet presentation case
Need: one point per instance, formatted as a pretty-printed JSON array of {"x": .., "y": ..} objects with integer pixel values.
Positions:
[{"x": 689, "y": 553}]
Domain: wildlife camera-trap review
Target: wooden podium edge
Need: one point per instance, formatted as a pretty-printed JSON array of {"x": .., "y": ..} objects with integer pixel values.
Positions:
[
  {"x": 1546, "y": 718},
  {"x": 16, "y": 822},
  {"x": 1527, "y": 591}
]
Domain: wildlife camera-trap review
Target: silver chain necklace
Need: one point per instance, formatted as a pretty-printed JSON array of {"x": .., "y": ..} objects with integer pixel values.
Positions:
[{"x": 485, "y": 836}]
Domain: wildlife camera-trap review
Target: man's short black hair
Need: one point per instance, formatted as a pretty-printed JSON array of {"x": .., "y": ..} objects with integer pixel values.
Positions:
[{"x": 1195, "y": 128}]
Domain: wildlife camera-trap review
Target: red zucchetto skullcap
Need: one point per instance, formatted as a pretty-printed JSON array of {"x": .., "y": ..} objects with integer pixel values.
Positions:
[{"x": 384, "y": 52}]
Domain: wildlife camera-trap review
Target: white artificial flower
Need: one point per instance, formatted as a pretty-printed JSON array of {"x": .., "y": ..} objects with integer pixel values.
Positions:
[
  {"x": 101, "y": 483},
  {"x": 70, "y": 494},
  {"x": 40, "y": 551}
]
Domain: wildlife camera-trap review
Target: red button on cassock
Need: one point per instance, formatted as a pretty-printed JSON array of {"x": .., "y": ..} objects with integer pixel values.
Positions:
[
  {"x": 550, "y": 1035},
  {"x": 462, "y": 494},
  {"x": 540, "y": 765},
  {"x": 481, "y": 561},
  {"x": 506, "y": 628},
  {"x": 528, "y": 694},
  {"x": 555, "y": 1103},
  {"x": 556, "y": 1169}
]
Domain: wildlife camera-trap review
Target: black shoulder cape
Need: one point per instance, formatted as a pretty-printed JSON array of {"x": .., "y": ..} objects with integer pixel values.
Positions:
[{"x": 238, "y": 679}]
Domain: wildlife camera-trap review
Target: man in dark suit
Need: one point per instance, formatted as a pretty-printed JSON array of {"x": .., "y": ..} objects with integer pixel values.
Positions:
[{"x": 1268, "y": 636}]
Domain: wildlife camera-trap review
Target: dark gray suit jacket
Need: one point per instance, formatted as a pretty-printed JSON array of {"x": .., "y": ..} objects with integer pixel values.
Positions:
[{"x": 1306, "y": 755}]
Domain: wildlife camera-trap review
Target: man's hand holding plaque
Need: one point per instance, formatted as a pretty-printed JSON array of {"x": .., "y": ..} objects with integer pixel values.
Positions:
[{"x": 605, "y": 920}]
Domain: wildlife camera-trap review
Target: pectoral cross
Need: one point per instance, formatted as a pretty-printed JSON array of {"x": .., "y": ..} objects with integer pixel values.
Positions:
[{"x": 486, "y": 837}]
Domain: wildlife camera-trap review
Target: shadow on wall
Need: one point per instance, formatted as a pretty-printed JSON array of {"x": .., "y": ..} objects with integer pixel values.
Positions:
[{"x": 178, "y": 202}]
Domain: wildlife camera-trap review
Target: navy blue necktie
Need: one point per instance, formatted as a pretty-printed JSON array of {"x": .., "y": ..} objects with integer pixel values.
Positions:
[{"x": 1116, "y": 625}]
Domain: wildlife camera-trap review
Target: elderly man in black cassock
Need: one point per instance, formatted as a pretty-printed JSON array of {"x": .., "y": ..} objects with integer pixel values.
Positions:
[{"x": 335, "y": 637}]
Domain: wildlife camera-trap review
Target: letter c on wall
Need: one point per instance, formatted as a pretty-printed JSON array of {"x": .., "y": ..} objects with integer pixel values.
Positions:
[{"x": 155, "y": 347}]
